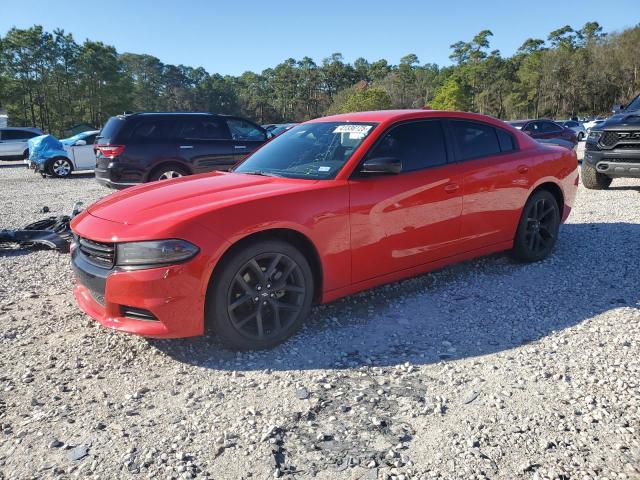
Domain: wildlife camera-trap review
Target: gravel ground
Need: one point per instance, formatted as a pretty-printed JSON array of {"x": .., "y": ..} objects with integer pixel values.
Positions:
[{"x": 488, "y": 369}]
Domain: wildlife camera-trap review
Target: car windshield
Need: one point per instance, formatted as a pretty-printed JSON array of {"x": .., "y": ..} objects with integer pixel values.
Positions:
[
  {"x": 634, "y": 105},
  {"x": 313, "y": 150}
]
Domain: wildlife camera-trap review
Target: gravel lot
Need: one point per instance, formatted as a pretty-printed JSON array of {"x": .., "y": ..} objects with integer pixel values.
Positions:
[{"x": 488, "y": 369}]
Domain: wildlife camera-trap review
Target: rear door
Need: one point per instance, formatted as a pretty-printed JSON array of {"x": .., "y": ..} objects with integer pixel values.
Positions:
[
  {"x": 247, "y": 137},
  {"x": 495, "y": 182},
  {"x": 204, "y": 143},
  {"x": 412, "y": 218}
]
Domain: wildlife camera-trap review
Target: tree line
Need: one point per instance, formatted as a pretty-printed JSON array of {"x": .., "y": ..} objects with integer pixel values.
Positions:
[{"x": 49, "y": 80}]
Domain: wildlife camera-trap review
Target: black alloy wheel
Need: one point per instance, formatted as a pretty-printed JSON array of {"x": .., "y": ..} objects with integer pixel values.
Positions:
[
  {"x": 261, "y": 296},
  {"x": 538, "y": 229},
  {"x": 266, "y": 296}
]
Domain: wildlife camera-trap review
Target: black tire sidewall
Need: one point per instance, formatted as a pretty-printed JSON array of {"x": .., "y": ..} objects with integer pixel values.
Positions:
[
  {"x": 217, "y": 317},
  {"x": 520, "y": 250}
]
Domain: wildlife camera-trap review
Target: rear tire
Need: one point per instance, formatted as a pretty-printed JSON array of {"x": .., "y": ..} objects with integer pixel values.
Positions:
[
  {"x": 25, "y": 154},
  {"x": 592, "y": 179},
  {"x": 167, "y": 172},
  {"x": 580, "y": 136},
  {"x": 538, "y": 228},
  {"x": 260, "y": 296},
  {"x": 59, "y": 167}
]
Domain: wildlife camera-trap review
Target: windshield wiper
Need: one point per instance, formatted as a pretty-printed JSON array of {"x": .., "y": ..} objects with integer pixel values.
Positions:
[{"x": 262, "y": 173}]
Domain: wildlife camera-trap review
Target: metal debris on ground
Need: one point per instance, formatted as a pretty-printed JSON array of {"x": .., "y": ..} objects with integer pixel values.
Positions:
[{"x": 51, "y": 233}]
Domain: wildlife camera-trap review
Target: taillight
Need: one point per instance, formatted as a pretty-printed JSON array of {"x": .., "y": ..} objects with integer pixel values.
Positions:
[{"x": 109, "y": 151}]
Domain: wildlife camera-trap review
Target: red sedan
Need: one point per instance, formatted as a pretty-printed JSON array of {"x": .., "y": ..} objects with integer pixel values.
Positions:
[{"x": 331, "y": 207}]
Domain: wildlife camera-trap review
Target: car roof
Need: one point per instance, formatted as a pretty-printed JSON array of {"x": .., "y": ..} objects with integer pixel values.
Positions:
[{"x": 390, "y": 116}]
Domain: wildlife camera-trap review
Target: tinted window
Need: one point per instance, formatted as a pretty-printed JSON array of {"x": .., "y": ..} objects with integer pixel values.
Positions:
[
  {"x": 506, "y": 140},
  {"x": 90, "y": 139},
  {"x": 111, "y": 129},
  {"x": 18, "y": 134},
  {"x": 570, "y": 124},
  {"x": 243, "y": 130},
  {"x": 475, "y": 139},
  {"x": 148, "y": 130},
  {"x": 417, "y": 145},
  {"x": 548, "y": 127},
  {"x": 202, "y": 129}
]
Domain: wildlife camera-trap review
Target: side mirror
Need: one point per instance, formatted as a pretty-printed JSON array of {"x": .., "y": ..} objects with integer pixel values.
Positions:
[
  {"x": 382, "y": 165},
  {"x": 80, "y": 143},
  {"x": 617, "y": 108}
]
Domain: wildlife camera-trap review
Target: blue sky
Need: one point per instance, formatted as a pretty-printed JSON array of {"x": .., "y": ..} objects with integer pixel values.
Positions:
[{"x": 232, "y": 37}]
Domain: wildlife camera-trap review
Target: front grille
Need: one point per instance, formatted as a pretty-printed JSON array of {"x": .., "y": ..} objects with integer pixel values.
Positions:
[
  {"x": 609, "y": 139},
  {"x": 623, "y": 139},
  {"x": 592, "y": 147},
  {"x": 628, "y": 146},
  {"x": 97, "y": 253},
  {"x": 621, "y": 160}
]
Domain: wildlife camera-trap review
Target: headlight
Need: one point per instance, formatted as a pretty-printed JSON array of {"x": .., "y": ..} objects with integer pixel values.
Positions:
[
  {"x": 156, "y": 252},
  {"x": 594, "y": 135}
]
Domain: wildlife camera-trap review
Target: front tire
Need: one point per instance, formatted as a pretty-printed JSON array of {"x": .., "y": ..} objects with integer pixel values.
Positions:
[
  {"x": 538, "y": 228},
  {"x": 592, "y": 179},
  {"x": 261, "y": 295},
  {"x": 60, "y": 167}
]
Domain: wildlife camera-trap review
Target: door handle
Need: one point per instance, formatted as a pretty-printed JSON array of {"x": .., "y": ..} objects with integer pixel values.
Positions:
[
  {"x": 186, "y": 146},
  {"x": 240, "y": 146},
  {"x": 523, "y": 169},
  {"x": 451, "y": 187}
]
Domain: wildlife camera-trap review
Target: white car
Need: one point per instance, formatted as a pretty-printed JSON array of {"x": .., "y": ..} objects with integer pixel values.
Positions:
[
  {"x": 79, "y": 156},
  {"x": 13, "y": 142}
]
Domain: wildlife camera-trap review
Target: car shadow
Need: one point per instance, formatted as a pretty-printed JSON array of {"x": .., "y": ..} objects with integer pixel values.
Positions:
[
  {"x": 635, "y": 188},
  {"x": 13, "y": 165},
  {"x": 472, "y": 309}
]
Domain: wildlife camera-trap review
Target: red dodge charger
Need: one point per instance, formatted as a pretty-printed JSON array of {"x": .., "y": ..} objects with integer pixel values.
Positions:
[{"x": 331, "y": 207}]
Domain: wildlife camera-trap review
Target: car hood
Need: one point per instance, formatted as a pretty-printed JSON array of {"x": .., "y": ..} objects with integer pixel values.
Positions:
[
  {"x": 187, "y": 197},
  {"x": 631, "y": 120}
]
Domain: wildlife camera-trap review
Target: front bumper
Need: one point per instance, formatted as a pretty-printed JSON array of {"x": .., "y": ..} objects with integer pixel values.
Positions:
[
  {"x": 173, "y": 295},
  {"x": 615, "y": 163}
]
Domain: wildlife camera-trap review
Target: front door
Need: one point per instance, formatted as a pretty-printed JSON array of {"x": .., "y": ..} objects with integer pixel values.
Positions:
[
  {"x": 246, "y": 136},
  {"x": 399, "y": 221}
]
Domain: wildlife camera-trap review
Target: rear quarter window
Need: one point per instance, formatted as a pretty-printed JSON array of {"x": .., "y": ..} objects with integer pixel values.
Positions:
[
  {"x": 474, "y": 139},
  {"x": 111, "y": 129},
  {"x": 506, "y": 140}
]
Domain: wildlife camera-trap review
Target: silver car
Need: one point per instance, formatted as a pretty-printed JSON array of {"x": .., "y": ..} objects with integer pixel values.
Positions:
[
  {"x": 13, "y": 142},
  {"x": 578, "y": 127}
]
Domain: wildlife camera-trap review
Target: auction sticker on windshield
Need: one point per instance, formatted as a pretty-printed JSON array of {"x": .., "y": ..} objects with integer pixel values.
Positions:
[{"x": 361, "y": 129}]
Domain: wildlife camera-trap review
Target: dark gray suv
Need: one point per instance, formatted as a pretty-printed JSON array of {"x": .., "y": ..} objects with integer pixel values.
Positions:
[
  {"x": 144, "y": 147},
  {"x": 612, "y": 149}
]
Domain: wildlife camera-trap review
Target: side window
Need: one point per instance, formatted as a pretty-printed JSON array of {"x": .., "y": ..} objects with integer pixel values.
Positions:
[
  {"x": 506, "y": 140},
  {"x": 243, "y": 130},
  {"x": 552, "y": 127},
  {"x": 17, "y": 135},
  {"x": 151, "y": 130},
  {"x": 417, "y": 145},
  {"x": 532, "y": 127},
  {"x": 91, "y": 139},
  {"x": 475, "y": 139},
  {"x": 202, "y": 129}
]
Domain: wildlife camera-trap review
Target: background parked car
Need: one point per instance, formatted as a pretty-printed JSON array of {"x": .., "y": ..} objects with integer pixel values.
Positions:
[
  {"x": 576, "y": 126},
  {"x": 593, "y": 123},
  {"x": 76, "y": 154},
  {"x": 143, "y": 147},
  {"x": 543, "y": 128},
  {"x": 13, "y": 142},
  {"x": 275, "y": 129}
]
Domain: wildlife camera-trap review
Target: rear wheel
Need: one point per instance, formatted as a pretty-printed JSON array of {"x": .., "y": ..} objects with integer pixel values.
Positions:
[
  {"x": 168, "y": 172},
  {"x": 538, "y": 228},
  {"x": 580, "y": 136},
  {"x": 261, "y": 296},
  {"x": 592, "y": 179},
  {"x": 60, "y": 167}
]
